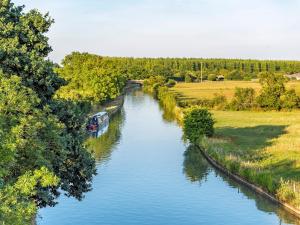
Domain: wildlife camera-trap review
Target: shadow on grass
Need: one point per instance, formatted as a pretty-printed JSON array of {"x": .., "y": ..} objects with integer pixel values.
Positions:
[
  {"x": 251, "y": 139},
  {"x": 249, "y": 142}
]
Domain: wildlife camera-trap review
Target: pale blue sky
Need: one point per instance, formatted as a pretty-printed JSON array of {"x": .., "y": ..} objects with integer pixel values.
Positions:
[{"x": 263, "y": 29}]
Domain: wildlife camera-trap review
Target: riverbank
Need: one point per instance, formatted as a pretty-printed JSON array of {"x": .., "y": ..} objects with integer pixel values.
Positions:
[
  {"x": 261, "y": 149},
  {"x": 147, "y": 173}
]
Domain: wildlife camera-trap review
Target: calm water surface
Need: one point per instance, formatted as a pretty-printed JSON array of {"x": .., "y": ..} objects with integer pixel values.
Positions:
[{"x": 148, "y": 176}]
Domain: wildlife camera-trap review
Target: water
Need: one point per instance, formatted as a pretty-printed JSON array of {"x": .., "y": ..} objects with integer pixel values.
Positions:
[{"x": 147, "y": 176}]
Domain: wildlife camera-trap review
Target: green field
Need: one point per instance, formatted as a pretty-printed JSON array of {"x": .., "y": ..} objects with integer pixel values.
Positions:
[
  {"x": 208, "y": 89},
  {"x": 265, "y": 143}
]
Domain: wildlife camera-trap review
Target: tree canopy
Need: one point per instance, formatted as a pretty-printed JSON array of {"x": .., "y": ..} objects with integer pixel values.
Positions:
[{"x": 42, "y": 148}]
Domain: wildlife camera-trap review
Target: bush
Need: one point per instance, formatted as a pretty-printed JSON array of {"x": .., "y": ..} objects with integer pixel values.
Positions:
[
  {"x": 187, "y": 78},
  {"x": 290, "y": 100},
  {"x": 212, "y": 77},
  {"x": 197, "y": 123},
  {"x": 234, "y": 75},
  {"x": 171, "y": 83},
  {"x": 152, "y": 83},
  {"x": 219, "y": 102},
  {"x": 244, "y": 98}
]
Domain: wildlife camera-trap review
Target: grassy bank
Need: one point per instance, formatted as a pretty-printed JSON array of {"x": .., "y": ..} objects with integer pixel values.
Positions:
[{"x": 261, "y": 147}]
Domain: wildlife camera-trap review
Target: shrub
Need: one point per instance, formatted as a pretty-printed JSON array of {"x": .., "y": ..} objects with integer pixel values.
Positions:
[
  {"x": 234, "y": 75},
  {"x": 219, "y": 102},
  {"x": 152, "y": 83},
  {"x": 187, "y": 78},
  {"x": 197, "y": 123},
  {"x": 212, "y": 77},
  {"x": 171, "y": 83},
  {"x": 244, "y": 98},
  {"x": 155, "y": 89},
  {"x": 290, "y": 100}
]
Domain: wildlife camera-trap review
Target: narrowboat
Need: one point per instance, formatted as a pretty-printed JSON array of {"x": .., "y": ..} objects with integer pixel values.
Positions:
[{"x": 98, "y": 124}]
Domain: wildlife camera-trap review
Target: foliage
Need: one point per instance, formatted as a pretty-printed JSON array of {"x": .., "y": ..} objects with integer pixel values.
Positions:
[
  {"x": 178, "y": 68},
  {"x": 197, "y": 122},
  {"x": 234, "y": 75},
  {"x": 187, "y": 78},
  {"x": 171, "y": 83},
  {"x": 290, "y": 100},
  {"x": 241, "y": 95},
  {"x": 23, "y": 47},
  {"x": 152, "y": 84},
  {"x": 212, "y": 77},
  {"x": 244, "y": 99},
  {"x": 90, "y": 78},
  {"x": 261, "y": 147},
  {"x": 41, "y": 138},
  {"x": 17, "y": 200},
  {"x": 272, "y": 90},
  {"x": 219, "y": 102}
]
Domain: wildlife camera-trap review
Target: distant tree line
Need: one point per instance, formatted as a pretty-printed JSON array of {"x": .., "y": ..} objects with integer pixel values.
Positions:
[{"x": 190, "y": 68}]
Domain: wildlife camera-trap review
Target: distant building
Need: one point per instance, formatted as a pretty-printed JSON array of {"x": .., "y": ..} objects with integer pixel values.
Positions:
[
  {"x": 295, "y": 76},
  {"x": 220, "y": 78}
]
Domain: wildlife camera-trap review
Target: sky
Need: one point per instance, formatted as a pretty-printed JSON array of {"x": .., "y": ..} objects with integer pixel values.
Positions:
[{"x": 259, "y": 29}]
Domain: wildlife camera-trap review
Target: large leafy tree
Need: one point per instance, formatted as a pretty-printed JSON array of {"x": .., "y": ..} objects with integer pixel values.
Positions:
[
  {"x": 273, "y": 87},
  {"x": 90, "y": 78},
  {"x": 23, "y": 48},
  {"x": 41, "y": 138}
]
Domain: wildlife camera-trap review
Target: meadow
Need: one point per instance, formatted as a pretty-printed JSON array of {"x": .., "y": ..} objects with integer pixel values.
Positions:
[
  {"x": 263, "y": 147},
  {"x": 208, "y": 89}
]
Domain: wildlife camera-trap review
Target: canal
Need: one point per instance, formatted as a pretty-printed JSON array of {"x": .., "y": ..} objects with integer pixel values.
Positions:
[{"x": 148, "y": 176}]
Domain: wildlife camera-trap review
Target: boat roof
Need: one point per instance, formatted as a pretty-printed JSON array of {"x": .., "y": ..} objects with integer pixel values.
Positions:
[{"x": 100, "y": 114}]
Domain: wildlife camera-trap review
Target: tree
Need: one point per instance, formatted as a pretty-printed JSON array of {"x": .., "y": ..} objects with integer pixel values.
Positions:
[
  {"x": 23, "y": 48},
  {"x": 244, "y": 98},
  {"x": 90, "y": 78},
  {"x": 36, "y": 130},
  {"x": 272, "y": 90},
  {"x": 197, "y": 123}
]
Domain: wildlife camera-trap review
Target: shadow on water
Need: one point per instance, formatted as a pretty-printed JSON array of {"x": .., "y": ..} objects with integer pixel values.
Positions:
[
  {"x": 103, "y": 146},
  {"x": 196, "y": 169}
]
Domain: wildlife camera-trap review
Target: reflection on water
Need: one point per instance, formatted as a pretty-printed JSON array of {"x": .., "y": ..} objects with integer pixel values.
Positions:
[
  {"x": 197, "y": 169},
  {"x": 149, "y": 177},
  {"x": 102, "y": 146}
]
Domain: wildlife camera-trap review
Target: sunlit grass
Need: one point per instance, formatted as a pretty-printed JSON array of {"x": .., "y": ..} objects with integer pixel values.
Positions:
[
  {"x": 208, "y": 89},
  {"x": 267, "y": 142}
]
